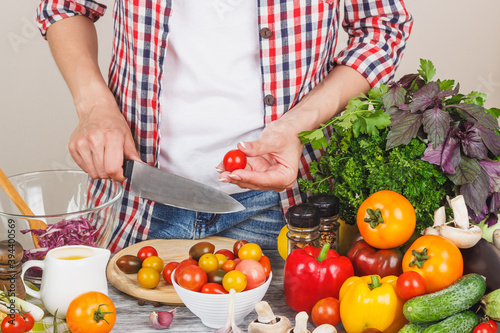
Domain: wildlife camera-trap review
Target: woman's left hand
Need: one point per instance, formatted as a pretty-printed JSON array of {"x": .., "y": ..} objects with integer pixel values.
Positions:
[{"x": 272, "y": 160}]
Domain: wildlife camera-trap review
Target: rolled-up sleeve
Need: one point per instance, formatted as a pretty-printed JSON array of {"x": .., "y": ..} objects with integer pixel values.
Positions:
[
  {"x": 378, "y": 31},
  {"x": 50, "y": 11}
]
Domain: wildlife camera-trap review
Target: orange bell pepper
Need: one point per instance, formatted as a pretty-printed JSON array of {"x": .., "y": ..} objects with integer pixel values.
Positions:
[{"x": 371, "y": 302}]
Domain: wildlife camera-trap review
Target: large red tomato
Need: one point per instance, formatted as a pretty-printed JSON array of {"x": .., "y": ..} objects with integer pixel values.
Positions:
[{"x": 192, "y": 278}]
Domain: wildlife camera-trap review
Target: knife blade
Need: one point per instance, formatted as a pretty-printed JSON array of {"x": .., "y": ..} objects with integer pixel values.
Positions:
[{"x": 167, "y": 188}]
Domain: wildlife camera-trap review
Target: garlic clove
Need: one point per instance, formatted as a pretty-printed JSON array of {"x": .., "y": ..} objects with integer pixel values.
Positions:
[{"x": 161, "y": 319}]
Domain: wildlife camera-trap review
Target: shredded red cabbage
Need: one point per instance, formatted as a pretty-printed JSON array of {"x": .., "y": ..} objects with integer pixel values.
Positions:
[{"x": 77, "y": 231}]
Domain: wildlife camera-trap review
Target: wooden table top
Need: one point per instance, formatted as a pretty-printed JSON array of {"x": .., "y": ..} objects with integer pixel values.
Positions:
[{"x": 135, "y": 319}]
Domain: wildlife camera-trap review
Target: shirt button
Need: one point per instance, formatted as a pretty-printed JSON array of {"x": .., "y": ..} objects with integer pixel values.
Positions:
[
  {"x": 269, "y": 100},
  {"x": 265, "y": 33}
]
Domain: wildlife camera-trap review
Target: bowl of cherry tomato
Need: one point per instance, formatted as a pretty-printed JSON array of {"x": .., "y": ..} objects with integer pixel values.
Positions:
[{"x": 203, "y": 281}]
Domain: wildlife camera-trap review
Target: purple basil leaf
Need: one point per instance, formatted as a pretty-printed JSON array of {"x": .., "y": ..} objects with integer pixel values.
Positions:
[
  {"x": 436, "y": 124},
  {"x": 470, "y": 141},
  {"x": 475, "y": 193},
  {"x": 478, "y": 113},
  {"x": 493, "y": 170},
  {"x": 433, "y": 155},
  {"x": 403, "y": 129},
  {"x": 466, "y": 172},
  {"x": 450, "y": 157},
  {"x": 449, "y": 92},
  {"x": 425, "y": 97},
  {"x": 395, "y": 96},
  {"x": 490, "y": 138},
  {"x": 407, "y": 80}
]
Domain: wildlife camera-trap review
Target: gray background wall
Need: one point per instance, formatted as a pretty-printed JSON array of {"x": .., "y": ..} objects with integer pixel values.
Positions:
[{"x": 462, "y": 38}]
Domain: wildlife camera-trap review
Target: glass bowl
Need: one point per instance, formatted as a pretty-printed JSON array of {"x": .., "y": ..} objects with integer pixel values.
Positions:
[{"x": 64, "y": 200}]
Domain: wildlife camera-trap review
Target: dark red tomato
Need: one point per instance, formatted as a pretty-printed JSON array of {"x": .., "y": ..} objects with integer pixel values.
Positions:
[
  {"x": 234, "y": 159},
  {"x": 410, "y": 284},
  {"x": 237, "y": 246},
  {"x": 264, "y": 261},
  {"x": 229, "y": 255},
  {"x": 326, "y": 311},
  {"x": 213, "y": 288},
  {"x": 13, "y": 323},
  {"x": 199, "y": 249},
  {"x": 192, "y": 278},
  {"x": 129, "y": 264},
  {"x": 216, "y": 276},
  {"x": 29, "y": 322},
  {"x": 493, "y": 324},
  {"x": 182, "y": 264},
  {"x": 167, "y": 271},
  {"x": 483, "y": 328},
  {"x": 146, "y": 251}
]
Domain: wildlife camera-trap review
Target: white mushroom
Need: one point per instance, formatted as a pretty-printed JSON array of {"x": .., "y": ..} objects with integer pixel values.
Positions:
[
  {"x": 267, "y": 322},
  {"x": 459, "y": 231},
  {"x": 496, "y": 238},
  {"x": 325, "y": 328},
  {"x": 300, "y": 323}
]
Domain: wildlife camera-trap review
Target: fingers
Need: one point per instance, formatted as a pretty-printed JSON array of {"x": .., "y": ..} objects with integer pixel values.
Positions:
[{"x": 101, "y": 154}]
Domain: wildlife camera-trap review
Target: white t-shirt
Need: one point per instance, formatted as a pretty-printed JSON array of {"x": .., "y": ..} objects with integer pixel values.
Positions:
[{"x": 211, "y": 95}]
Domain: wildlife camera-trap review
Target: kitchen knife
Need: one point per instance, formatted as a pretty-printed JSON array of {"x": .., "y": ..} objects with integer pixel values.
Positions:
[{"x": 166, "y": 188}]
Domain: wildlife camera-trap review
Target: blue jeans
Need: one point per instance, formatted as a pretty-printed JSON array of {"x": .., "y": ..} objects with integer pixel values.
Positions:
[{"x": 259, "y": 223}]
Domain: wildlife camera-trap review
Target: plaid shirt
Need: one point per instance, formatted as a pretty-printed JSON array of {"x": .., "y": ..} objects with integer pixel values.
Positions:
[{"x": 297, "y": 44}]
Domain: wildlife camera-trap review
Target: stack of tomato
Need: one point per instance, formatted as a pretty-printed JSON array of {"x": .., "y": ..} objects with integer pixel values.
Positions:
[
  {"x": 205, "y": 270},
  {"x": 217, "y": 272}
]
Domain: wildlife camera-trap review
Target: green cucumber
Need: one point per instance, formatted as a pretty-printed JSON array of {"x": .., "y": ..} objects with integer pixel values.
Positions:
[
  {"x": 462, "y": 322},
  {"x": 460, "y": 296},
  {"x": 413, "y": 328}
]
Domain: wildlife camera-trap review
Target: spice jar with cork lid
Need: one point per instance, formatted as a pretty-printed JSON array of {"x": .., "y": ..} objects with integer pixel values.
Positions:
[
  {"x": 329, "y": 224},
  {"x": 11, "y": 253},
  {"x": 303, "y": 224}
]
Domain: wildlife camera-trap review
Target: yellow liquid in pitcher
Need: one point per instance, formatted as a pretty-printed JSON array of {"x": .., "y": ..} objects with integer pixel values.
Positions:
[{"x": 73, "y": 257}]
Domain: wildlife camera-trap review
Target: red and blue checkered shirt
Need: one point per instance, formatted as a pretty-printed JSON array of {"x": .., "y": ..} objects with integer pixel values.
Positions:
[{"x": 297, "y": 45}]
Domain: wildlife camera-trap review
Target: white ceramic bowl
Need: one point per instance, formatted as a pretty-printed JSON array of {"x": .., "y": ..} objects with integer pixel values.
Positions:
[{"x": 212, "y": 308}]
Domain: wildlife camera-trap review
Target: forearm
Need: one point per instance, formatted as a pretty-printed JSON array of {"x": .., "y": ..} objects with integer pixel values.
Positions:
[
  {"x": 76, "y": 58},
  {"x": 327, "y": 99}
]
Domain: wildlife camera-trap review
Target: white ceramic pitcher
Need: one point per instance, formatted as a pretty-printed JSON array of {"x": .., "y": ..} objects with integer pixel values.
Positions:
[{"x": 69, "y": 271}]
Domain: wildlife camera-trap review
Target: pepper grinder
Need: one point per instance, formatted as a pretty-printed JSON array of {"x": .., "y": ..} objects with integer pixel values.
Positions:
[{"x": 11, "y": 253}]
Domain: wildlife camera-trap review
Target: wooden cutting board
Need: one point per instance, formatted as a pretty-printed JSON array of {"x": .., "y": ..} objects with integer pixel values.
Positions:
[{"x": 168, "y": 250}]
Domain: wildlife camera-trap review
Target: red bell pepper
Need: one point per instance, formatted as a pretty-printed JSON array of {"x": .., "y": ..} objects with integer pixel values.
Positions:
[
  {"x": 368, "y": 260},
  {"x": 312, "y": 274}
]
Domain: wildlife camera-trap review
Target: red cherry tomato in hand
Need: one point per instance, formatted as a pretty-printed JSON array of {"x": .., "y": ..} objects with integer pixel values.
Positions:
[
  {"x": 13, "y": 323},
  {"x": 409, "y": 285},
  {"x": 326, "y": 311},
  {"x": 146, "y": 251},
  {"x": 483, "y": 328},
  {"x": 234, "y": 159}
]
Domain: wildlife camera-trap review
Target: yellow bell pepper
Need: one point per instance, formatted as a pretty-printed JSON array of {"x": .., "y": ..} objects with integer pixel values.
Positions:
[{"x": 371, "y": 302}]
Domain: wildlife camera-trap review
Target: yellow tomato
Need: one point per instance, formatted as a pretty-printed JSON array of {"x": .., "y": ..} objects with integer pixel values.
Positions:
[
  {"x": 209, "y": 262},
  {"x": 250, "y": 251},
  {"x": 153, "y": 262},
  {"x": 148, "y": 277},
  {"x": 234, "y": 280},
  {"x": 221, "y": 258},
  {"x": 283, "y": 243}
]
